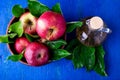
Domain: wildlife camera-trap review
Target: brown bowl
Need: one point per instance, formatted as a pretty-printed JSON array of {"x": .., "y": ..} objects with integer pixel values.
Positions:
[{"x": 11, "y": 45}]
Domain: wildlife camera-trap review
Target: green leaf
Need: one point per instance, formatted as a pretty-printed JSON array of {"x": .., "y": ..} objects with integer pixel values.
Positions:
[
  {"x": 16, "y": 28},
  {"x": 57, "y": 8},
  {"x": 12, "y": 35},
  {"x": 73, "y": 25},
  {"x": 56, "y": 44},
  {"x": 72, "y": 44},
  {"x": 77, "y": 58},
  {"x": 32, "y": 0},
  {"x": 59, "y": 54},
  {"x": 37, "y": 8},
  {"x": 85, "y": 56},
  {"x": 31, "y": 38},
  {"x": 5, "y": 38},
  {"x": 100, "y": 65},
  {"x": 17, "y": 10},
  {"x": 70, "y": 47},
  {"x": 15, "y": 58}
]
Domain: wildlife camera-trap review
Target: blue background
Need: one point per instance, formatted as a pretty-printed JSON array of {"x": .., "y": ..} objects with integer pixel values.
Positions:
[{"x": 63, "y": 69}]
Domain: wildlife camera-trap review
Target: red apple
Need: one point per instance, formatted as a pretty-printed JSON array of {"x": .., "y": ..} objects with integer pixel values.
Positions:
[
  {"x": 51, "y": 25},
  {"x": 36, "y": 54},
  {"x": 20, "y": 44},
  {"x": 29, "y": 23}
]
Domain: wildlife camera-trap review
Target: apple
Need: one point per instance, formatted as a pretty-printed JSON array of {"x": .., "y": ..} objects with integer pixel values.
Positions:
[
  {"x": 29, "y": 23},
  {"x": 51, "y": 25},
  {"x": 20, "y": 44},
  {"x": 36, "y": 54}
]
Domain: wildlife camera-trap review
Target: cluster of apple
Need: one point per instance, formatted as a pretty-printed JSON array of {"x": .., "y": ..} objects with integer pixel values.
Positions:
[{"x": 49, "y": 26}]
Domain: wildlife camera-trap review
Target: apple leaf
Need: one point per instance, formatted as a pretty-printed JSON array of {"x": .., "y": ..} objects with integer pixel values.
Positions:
[
  {"x": 100, "y": 65},
  {"x": 5, "y": 38},
  {"x": 17, "y": 10},
  {"x": 72, "y": 44},
  {"x": 37, "y": 8},
  {"x": 73, "y": 25},
  {"x": 56, "y": 44},
  {"x": 57, "y": 8},
  {"x": 70, "y": 47},
  {"x": 15, "y": 58},
  {"x": 16, "y": 28},
  {"x": 12, "y": 35},
  {"x": 59, "y": 54},
  {"x": 31, "y": 38},
  {"x": 84, "y": 56},
  {"x": 77, "y": 58}
]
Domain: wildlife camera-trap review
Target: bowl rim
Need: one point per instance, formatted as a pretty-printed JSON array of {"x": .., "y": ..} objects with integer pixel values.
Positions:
[{"x": 8, "y": 45}]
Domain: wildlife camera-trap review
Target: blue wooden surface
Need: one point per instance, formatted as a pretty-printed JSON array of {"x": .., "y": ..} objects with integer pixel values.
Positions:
[{"x": 63, "y": 69}]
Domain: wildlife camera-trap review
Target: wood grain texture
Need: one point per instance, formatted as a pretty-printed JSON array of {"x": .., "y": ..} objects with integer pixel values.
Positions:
[{"x": 63, "y": 69}]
